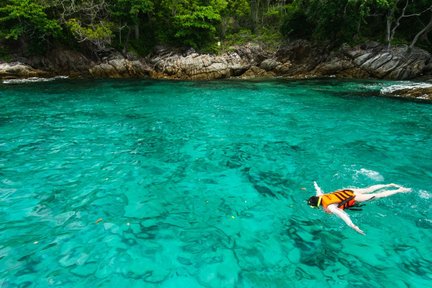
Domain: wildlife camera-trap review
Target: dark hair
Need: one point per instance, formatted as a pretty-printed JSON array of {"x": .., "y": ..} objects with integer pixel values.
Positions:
[{"x": 313, "y": 201}]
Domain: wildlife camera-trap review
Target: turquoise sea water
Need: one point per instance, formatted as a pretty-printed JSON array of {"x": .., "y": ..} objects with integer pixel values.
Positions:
[{"x": 143, "y": 183}]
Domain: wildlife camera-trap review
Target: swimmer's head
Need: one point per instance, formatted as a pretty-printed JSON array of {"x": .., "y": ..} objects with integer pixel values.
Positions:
[{"x": 314, "y": 201}]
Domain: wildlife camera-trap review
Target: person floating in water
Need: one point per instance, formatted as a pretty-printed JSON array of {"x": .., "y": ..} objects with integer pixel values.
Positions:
[{"x": 339, "y": 200}]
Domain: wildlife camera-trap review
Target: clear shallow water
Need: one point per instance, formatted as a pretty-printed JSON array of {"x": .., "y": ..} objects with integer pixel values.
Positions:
[{"x": 203, "y": 184}]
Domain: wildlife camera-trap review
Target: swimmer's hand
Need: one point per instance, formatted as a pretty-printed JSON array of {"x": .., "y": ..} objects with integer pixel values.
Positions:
[
  {"x": 344, "y": 216},
  {"x": 318, "y": 190},
  {"x": 356, "y": 228}
]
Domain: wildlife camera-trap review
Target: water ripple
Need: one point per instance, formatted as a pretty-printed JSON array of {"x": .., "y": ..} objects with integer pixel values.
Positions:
[{"x": 184, "y": 184}]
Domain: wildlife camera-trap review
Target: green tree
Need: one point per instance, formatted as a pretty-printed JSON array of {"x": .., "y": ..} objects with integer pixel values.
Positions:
[
  {"x": 190, "y": 22},
  {"x": 26, "y": 19},
  {"x": 296, "y": 23},
  {"x": 127, "y": 15},
  {"x": 417, "y": 15},
  {"x": 233, "y": 16},
  {"x": 336, "y": 20},
  {"x": 198, "y": 26},
  {"x": 87, "y": 20}
]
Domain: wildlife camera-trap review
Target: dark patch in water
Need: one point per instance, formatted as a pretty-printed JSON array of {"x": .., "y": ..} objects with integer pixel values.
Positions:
[
  {"x": 302, "y": 274},
  {"x": 227, "y": 84},
  {"x": 264, "y": 190}
]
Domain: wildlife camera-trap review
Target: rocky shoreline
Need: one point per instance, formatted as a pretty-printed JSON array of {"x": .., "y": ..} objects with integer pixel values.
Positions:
[{"x": 298, "y": 59}]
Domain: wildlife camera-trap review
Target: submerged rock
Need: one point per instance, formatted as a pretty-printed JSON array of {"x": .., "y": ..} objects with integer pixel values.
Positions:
[{"x": 418, "y": 91}]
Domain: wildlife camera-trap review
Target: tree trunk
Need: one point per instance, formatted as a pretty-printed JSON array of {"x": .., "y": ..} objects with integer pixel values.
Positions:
[
  {"x": 403, "y": 15},
  {"x": 120, "y": 34},
  {"x": 125, "y": 47},
  {"x": 254, "y": 6},
  {"x": 137, "y": 32},
  {"x": 388, "y": 29},
  {"x": 425, "y": 30}
]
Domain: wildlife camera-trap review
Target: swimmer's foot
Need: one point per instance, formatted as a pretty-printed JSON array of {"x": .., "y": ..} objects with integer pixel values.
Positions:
[{"x": 405, "y": 190}]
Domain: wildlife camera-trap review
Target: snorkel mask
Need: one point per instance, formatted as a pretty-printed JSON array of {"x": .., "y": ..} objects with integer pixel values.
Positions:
[{"x": 314, "y": 201}]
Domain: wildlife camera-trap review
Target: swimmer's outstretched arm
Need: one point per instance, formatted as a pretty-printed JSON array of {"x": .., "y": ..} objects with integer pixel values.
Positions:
[
  {"x": 345, "y": 217},
  {"x": 318, "y": 190}
]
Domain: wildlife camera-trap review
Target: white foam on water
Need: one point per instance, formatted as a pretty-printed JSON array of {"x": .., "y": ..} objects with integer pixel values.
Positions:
[
  {"x": 404, "y": 85},
  {"x": 32, "y": 80},
  {"x": 374, "y": 175},
  {"x": 425, "y": 194}
]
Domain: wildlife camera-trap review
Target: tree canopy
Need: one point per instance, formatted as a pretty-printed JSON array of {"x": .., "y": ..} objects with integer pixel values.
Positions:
[{"x": 141, "y": 24}]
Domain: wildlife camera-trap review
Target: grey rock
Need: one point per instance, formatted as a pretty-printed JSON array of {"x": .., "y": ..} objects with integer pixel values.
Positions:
[
  {"x": 197, "y": 66},
  {"x": 334, "y": 66},
  {"x": 362, "y": 58},
  {"x": 256, "y": 72},
  {"x": 297, "y": 59},
  {"x": 62, "y": 61},
  {"x": 119, "y": 68},
  {"x": 269, "y": 64},
  {"x": 19, "y": 70}
]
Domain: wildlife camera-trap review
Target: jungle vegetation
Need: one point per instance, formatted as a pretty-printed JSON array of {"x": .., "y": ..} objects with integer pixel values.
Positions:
[{"x": 32, "y": 26}]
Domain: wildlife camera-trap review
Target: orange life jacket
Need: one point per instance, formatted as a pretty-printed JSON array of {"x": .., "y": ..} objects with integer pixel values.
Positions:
[{"x": 344, "y": 199}]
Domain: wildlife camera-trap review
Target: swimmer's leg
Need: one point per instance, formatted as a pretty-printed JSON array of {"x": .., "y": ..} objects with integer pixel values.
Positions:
[
  {"x": 373, "y": 188},
  {"x": 365, "y": 197}
]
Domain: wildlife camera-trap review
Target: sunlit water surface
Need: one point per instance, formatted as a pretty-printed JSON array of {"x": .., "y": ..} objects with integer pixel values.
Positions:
[{"x": 203, "y": 184}]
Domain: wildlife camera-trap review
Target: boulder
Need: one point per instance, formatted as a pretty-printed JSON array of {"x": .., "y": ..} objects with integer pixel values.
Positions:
[
  {"x": 269, "y": 64},
  {"x": 119, "y": 68},
  {"x": 397, "y": 63},
  {"x": 62, "y": 62},
  {"x": 303, "y": 53},
  {"x": 333, "y": 67},
  {"x": 194, "y": 66},
  {"x": 19, "y": 70},
  {"x": 252, "y": 53},
  {"x": 256, "y": 72}
]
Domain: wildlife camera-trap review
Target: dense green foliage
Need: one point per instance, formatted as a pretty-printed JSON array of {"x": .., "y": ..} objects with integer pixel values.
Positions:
[
  {"x": 356, "y": 20},
  {"x": 141, "y": 24},
  {"x": 26, "y": 18}
]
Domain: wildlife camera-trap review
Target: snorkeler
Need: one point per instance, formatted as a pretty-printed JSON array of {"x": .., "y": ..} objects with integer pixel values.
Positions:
[{"x": 339, "y": 200}]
